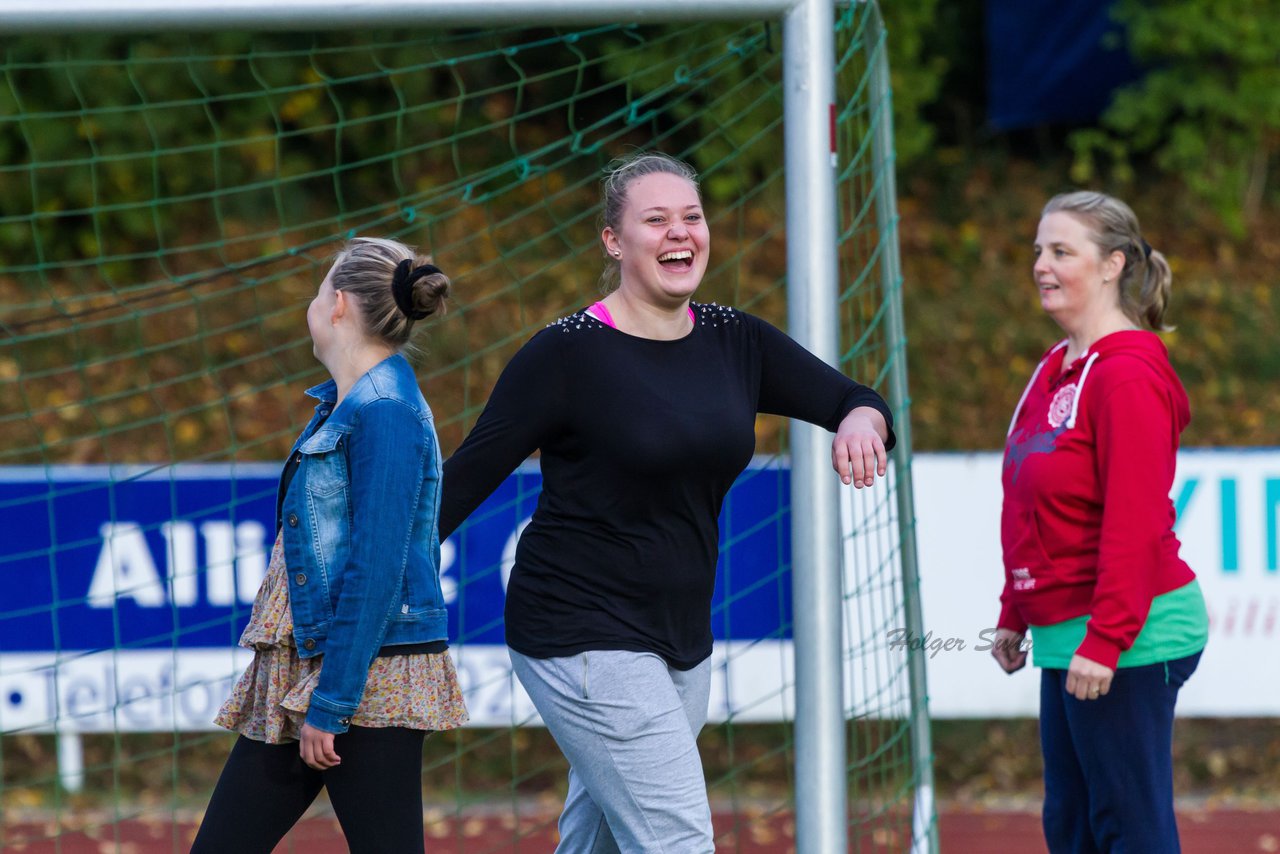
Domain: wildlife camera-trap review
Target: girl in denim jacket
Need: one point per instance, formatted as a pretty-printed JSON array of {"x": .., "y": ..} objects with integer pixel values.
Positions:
[{"x": 351, "y": 668}]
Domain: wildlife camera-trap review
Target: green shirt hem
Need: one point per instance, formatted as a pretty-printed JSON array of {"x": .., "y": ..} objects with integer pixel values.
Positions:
[{"x": 1177, "y": 626}]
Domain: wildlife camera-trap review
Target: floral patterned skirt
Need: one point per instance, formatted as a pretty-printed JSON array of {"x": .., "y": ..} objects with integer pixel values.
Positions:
[{"x": 269, "y": 702}]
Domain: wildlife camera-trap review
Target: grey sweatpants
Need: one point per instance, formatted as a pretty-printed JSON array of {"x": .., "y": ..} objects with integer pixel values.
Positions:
[{"x": 628, "y": 724}]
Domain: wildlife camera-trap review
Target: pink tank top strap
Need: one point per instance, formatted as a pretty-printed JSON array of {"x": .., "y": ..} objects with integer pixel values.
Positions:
[{"x": 600, "y": 312}]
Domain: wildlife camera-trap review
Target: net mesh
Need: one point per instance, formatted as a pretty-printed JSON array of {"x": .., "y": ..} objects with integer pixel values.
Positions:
[{"x": 169, "y": 204}]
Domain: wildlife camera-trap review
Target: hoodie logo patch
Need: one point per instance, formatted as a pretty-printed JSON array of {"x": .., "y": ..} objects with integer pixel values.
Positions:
[{"x": 1060, "y": 407}]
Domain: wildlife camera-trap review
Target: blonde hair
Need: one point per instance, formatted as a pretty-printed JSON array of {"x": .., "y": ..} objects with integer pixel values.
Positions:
[
  {"x": 613, "y": 195},
  {"x": 365, "y": 269},
  {"x": 1146, "y": 281}
]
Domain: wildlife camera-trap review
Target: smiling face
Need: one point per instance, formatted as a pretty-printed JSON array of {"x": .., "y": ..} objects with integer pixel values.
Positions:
[
  {"x": 662, "y": 241},
  {"x": 1075, "y": 281}
]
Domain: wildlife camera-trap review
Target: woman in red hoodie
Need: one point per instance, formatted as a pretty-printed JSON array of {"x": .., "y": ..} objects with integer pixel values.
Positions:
[{"x": 1091, "y": 560}]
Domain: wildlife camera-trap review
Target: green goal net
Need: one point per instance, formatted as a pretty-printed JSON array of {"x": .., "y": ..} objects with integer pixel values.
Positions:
[{"x": 169, "y": 204}]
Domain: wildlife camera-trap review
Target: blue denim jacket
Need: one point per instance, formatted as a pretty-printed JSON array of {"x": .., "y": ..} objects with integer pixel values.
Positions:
[{"x": 360, "y": 533}]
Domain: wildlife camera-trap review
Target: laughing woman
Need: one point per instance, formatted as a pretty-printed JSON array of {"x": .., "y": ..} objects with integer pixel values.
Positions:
[
  {"x": 643, "y": 406},
  {"x": 350, "y": 670}
]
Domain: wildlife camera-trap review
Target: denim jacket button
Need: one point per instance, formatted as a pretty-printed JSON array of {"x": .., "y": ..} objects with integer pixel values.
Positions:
[
  {"x": 345, "y": 721},
  {"x": 309, "y": 643},
  {"x": 300, "y": 578},
  {"x": 293, "y": 520}
]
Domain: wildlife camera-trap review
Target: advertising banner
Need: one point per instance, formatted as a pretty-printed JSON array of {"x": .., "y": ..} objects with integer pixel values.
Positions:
[{"x": 124, "y": 591}]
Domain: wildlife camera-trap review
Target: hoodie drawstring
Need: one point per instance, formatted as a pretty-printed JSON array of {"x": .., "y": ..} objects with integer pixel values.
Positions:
[
  {"x": 1075, "y": 399},
  {"x": 1017, "y": 410}
]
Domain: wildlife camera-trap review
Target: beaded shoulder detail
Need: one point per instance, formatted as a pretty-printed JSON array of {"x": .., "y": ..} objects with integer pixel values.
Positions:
[
  {"x": 714, "y": 315},
  {"x": 580, "y": 319}
]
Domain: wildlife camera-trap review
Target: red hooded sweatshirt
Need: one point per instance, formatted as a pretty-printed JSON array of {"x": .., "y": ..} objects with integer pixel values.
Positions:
[{"x": 1087, "y": 524}]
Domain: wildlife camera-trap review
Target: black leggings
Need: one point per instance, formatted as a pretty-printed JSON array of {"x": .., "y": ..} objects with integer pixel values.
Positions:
[{"x": 264, "y": 789}]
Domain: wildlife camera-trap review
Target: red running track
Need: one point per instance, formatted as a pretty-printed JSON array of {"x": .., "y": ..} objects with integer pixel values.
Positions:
[{"x": 1205, "y": 831}]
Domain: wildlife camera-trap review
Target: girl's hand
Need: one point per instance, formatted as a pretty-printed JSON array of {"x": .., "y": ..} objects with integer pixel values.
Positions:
[
  {"x": 316, "y": 747},
  {"x": 857, "y": 453},
  {"x": 1087, "y": 679},
  {"x": 1008, "y": 652}
]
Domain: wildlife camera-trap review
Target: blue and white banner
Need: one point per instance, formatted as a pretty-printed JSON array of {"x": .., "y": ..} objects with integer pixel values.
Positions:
[{"x": 123, "y": 593}]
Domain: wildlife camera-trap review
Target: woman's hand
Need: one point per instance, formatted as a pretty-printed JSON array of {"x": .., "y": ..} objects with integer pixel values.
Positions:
[
  {"x": 1008, "y": 652},
  {"x": 857, "y": 453},
  {"x": 1087, "y": 679},
  {"x": 316, "y": 747}
]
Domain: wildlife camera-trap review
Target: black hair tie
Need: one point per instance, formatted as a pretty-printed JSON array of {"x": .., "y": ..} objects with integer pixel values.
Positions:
[
  {"x": 1146, "y": 248},
  {"x": 402, "y": 286}
]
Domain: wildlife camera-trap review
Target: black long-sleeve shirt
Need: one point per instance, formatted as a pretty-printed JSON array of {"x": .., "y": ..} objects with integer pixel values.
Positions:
[{"x": 641, "y": 440}]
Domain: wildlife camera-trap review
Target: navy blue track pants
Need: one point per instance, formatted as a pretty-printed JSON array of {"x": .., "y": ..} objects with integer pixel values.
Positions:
[{"x": 1108, "y": 763}]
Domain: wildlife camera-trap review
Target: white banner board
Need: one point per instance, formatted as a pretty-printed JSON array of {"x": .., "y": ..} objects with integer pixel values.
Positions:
[{"x": 1228, "y": 502}]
